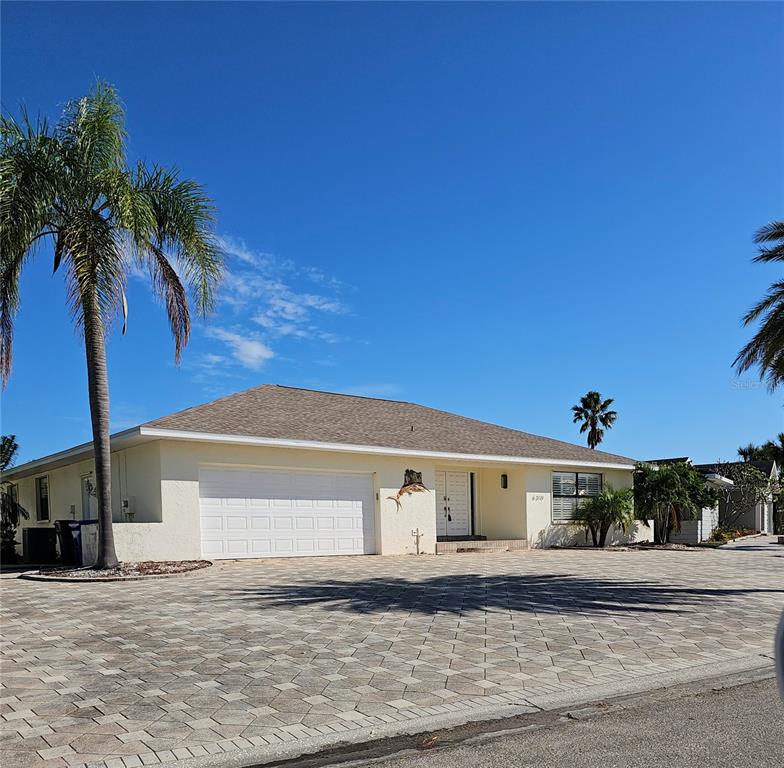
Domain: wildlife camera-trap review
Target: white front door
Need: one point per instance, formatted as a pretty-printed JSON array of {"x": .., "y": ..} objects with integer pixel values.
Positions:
[
  {"x": 453, "y": 504},
  {"x": 285, "y": 513}
]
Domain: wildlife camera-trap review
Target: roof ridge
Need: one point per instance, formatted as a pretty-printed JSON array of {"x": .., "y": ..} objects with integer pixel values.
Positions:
[
  {"x": 341, "y": 394},
  {"x": 204, "y": 405}
]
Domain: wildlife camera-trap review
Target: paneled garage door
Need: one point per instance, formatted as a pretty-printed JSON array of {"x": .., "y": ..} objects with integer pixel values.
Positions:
[{"x": 274, "y": 513}]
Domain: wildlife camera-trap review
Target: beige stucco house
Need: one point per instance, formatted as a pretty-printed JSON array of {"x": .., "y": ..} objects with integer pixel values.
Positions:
[{"x": 276, "y": 471}]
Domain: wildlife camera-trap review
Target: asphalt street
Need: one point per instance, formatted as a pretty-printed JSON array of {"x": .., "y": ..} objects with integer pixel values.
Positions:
[{"x": 736, "y": 727}]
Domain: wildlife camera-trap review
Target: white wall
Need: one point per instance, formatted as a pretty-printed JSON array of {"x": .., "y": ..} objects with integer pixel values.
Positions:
[
  {"x": 135, "y": 473},
  {"x": 542, "y": 532},
  {"x": 501, "y": 511},
  {"x": 697, "y": 530},
  {"x": 136, "y": 476},
  {"x": 181, "y": 460},
  {"x": 162, "y": 480}
]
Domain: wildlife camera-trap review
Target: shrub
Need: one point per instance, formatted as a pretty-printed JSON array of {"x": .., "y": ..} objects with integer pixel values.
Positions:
[{"x": 610, "y": 508}]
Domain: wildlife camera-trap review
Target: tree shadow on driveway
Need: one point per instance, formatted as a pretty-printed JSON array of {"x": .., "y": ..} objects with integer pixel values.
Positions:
[{"x": 457, "y": 594}]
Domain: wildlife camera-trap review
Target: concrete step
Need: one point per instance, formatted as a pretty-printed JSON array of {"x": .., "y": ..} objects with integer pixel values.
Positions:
[{"x": 499, "y": 545}]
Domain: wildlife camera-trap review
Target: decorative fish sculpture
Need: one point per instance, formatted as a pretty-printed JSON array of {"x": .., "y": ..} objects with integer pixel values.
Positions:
[{"x": 406, "y": 489}]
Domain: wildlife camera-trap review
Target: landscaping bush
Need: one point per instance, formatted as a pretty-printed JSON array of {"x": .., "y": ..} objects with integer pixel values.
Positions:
[{"x": 728, "y": 533}]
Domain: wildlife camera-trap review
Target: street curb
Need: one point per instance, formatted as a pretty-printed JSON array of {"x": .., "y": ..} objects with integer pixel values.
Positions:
[{"x": 310, "y": 747}]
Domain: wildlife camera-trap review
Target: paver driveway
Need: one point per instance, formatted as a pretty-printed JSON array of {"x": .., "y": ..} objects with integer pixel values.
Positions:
[{"x": 254, "y": 653}]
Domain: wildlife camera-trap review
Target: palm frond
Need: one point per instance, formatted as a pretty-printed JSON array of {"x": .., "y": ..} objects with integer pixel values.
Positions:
[
  {"x": 771, "y": 233},
  {"x": 8, "y": 450},
  {"x": 765, "y": 350},
  {"x": 167, "y": 285},
  {"x": 96, "y": 266},
  {"x": 28, "y": 170},
  {"x": 92, "y": 132},
  {"x": 11, "y": 511},
  {"x": 184, "y": 217},
  {"x": 774, "y": 298}
]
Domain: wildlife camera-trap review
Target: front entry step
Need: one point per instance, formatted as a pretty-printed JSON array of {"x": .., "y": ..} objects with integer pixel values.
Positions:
[
  {"x": 472, "y": 545},
  {"x": 461, "y": 538}
]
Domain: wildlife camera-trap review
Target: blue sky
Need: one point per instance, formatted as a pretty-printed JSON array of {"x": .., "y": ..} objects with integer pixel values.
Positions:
[{"x": 489, "y": 209}]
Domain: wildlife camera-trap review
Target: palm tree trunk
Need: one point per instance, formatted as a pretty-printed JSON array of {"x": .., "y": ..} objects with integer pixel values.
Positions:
[{"x": 98, "y": 387}]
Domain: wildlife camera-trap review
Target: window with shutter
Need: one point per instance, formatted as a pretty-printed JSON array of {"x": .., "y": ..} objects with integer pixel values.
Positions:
[
  {"x": 588, "y": 484},
  {"x": 569, "y": 490}
]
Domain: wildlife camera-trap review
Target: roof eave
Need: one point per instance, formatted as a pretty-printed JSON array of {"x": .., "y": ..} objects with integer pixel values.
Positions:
[
  {"x": 274, "y": 442},
  {"x": 80, "y": 452}
]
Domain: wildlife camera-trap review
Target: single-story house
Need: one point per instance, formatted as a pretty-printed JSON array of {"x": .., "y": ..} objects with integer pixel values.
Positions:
[{"x": 277, "y": 471}]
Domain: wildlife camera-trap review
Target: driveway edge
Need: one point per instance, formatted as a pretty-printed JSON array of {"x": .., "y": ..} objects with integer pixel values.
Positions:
[{"x": 310, "y": 747}]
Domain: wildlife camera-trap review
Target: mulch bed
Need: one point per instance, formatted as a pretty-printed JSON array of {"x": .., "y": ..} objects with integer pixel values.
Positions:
[{"x": 123, "y": 572}]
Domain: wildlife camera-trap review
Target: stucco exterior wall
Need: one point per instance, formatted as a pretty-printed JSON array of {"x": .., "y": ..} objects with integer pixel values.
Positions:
[
  {"x": 697, "y": 530},
  {"x": 65, "y": 490},
  {"x": 135, "y": 474},
  {"x": 181, "y": 460},
  {"x": 161, "y": 480},
  {"x": 542, "y": 532},
  {"x": 501, "y": 511}
]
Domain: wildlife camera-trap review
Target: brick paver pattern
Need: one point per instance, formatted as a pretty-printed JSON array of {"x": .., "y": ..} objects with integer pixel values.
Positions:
[{"x": 255, "y": 653}]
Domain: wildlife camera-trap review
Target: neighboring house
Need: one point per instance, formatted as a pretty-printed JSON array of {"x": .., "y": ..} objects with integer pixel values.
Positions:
[
  {"x": 276, "y": 471},
  {"x": 698, "y": 527},
  {"x": 758, "y": 517}
]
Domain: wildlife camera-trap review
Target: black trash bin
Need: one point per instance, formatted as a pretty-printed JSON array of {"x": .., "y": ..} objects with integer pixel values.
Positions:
[{"x": 69, "y": 534}]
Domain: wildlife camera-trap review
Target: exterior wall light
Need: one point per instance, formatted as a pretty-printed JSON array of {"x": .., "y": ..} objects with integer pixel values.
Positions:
[{"x": 504, "y": 481}]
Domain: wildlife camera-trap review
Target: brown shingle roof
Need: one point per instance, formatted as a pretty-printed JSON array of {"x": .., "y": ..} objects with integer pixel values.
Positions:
[{"x": 273, "y": 411}]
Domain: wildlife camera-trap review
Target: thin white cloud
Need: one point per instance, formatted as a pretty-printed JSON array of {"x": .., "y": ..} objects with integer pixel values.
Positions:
[
  {"x": 247, "y": 351},
  {"x": 259, "y": 287}
]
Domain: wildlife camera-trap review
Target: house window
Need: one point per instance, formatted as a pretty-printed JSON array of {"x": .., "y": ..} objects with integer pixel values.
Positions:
[
  {"x": 13, "y": 492},
  {"x": 569, "y": 488},
  {"x": 42, "y": 498}
]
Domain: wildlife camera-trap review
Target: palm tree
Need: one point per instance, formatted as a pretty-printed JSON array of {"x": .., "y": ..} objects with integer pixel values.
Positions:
[
  {"x": 72, "y": 183},
  {"x": 595, "y": 415},
  {"x": 11, "y": 511},
  {"x": 769, "y": 450},
  {"x": 766, "y": 348},
  {"x": 669, "y": 493},
  {"x": 612, "y": 507}
]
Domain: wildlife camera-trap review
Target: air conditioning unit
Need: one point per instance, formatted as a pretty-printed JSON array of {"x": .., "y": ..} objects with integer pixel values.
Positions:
[{"x": 39, "y": 545}]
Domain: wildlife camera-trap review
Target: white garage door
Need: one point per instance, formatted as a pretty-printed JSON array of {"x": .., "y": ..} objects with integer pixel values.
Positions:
[{"x": 274, "y": 513}]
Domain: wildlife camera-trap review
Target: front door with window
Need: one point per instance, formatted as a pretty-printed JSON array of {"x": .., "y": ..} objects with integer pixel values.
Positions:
[{"x": 453, "y": 504}]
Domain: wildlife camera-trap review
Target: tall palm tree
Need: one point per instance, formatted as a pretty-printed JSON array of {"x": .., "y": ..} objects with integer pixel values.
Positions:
[
  {"x": 72, "y": 183},
  {"x": 766, "y": 348},
  {"x": 595, "y": 415}
]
